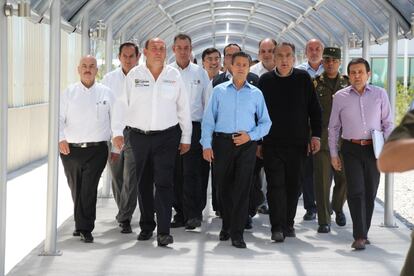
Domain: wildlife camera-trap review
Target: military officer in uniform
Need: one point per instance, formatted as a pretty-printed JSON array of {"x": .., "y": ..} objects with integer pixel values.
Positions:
[{"x": 326, "y": 86}]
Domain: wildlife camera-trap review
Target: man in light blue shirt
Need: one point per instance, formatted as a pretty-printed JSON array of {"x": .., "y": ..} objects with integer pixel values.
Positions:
[
  {"x": 235, "y": 118},
  {"x": 314, "y": 67}
]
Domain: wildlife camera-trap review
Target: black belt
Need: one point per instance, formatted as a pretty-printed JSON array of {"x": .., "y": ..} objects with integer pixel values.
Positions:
[
  {"x": 150, "y": 132},
  {"x": 87, "y": 145},
  {"x": 226, "y": 135}
]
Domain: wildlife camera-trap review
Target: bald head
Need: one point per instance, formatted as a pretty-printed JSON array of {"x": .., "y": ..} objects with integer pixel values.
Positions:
[
  {"x": 87, "y": 70},
  {"x": 155, "y": 52},
  {"x": 314, "y": 50},
  {"x": 267, "y": 53}
]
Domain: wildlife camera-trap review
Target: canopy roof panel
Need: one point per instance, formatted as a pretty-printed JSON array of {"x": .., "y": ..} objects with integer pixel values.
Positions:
[{"x": 218, "y": 22}]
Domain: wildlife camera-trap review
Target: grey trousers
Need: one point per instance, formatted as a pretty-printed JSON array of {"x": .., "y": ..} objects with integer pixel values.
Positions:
[{"x": 124, "y": 182}]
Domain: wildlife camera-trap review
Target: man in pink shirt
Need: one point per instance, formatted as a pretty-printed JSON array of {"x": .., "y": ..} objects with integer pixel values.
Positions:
[{"x": 356, "y": 111}]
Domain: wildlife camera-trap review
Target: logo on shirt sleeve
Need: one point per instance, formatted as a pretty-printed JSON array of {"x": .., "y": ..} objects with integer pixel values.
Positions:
[{"x": 141, "y": 83}]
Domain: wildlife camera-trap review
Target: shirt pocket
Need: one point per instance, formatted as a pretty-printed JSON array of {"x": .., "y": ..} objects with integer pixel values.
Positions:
[
  {"x": 102, "y": 110},
  {"x": 168, "y": 91}
]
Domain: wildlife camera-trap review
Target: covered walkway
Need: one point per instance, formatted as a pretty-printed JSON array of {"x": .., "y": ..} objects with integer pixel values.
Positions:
[{"x": 199, "y": 253}]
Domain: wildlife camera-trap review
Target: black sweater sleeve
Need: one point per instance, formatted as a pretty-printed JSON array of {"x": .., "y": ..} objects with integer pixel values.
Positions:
[{"x": 315, "y": 111}]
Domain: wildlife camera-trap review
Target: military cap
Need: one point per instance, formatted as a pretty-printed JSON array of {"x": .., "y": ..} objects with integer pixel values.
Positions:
[{"x": 332, "y": 52}]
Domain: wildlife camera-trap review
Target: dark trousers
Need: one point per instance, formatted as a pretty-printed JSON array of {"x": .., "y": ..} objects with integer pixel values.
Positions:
[
  {"x": 362, "y": 178},
  {"x": 124, "y": 181},
  {"x": 257, "y": 197},
  {"x": 83, "y": 169},
  {"x": 155, "y": 159},
  {"x": 283, "y": 167},
  {"x": 307, "y": 185},
  {"x": 233, "y": 168},
  {"x": 189, "y": 188}
]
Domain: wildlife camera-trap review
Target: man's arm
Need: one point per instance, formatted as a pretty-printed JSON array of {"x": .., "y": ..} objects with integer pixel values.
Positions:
[{"x": 397, "y": 156}]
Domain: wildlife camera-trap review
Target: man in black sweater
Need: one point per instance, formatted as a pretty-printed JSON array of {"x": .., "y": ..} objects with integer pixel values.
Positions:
[{"x": 293, "y": 106}]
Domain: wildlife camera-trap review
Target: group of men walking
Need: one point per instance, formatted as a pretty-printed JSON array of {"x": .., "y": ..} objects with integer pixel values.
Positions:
[{"x": 171, "y": 124}]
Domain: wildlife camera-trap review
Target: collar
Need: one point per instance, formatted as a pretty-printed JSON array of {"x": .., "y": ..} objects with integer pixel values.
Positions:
[
  {"x": 367, "y": 88},
  {"x": 175, "y": 65},
  {"x": 279, "y": 75},
  {"x": 228, "y": 75},
  {"x": 231, "y": 83},
  {"x": 84, "y": 88}
]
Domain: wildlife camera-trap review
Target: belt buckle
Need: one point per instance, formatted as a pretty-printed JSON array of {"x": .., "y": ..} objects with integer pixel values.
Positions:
[
  {"x": 146, "y": 132},
  {"x": 84, "y": 145},
  {"x": 364, "y": 142},
  {"x": 235, "y": 135}
]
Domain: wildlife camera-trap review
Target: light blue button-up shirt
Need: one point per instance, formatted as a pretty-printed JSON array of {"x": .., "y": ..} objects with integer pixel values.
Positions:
[
  {"x": 312, "y": 72},
  {"x": 230, "y": 110}
]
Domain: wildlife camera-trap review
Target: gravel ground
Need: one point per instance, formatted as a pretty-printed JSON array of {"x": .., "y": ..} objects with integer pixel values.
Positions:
[{"x": 403, "y": 196}]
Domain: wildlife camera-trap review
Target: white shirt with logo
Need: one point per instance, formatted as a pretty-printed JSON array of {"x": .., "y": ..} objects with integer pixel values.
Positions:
[{"x": 150, "y": 104}]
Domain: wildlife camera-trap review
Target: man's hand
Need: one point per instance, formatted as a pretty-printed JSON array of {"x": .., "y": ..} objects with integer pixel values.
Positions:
[
  {"x": 241, "y": 138},
  {"x": 118, "y": 142},
  {"x": 315, "y": 145},
  {"x": 184, "y": 148},
  {"x": 259, "y": 152},
  {"x": 336, "y": 163},
  {"x": 208, "y": 155},
  {"x": 64, "y": 147}
]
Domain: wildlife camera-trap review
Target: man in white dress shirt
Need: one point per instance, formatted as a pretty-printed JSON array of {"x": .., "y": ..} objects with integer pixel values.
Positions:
[
  {"x": 84, "y": 130},
  {"x": 188, "y": 182},
  {"x": 122, "y": 164},
  {"x": 155, "y": 109}
]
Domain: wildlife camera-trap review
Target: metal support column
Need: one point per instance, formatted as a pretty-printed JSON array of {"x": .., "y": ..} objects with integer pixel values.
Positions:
[
  {"x": 345, "y": 53},
  {"x": 107, "y": 176},
  {"x": 53, "y": 137},
  {"x": 392, "y": 90},
  {"x": 86, "y": 48},
  {"x": 3, "y": 133},
  {"x": 366, "y": 44}
]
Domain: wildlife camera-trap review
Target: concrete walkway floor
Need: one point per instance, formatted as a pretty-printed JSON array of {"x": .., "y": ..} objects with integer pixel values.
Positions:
[{"x": 201, "y": 253}]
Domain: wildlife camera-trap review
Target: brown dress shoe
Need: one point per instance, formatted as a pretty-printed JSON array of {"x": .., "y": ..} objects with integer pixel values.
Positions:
[{"x": 358, "y": 244}]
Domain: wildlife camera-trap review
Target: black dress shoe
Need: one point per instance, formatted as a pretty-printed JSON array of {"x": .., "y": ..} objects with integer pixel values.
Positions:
[
  {"x": 290, "y": 232},
  {"x": 164, "y": 239},
  {"x": 177, "y": 223},
  {"x": 86, "y": 236},
  {"x": 248, "y": 223},
  {"x": 238, "y": 243},
  {"x": 358, "y": 244},
  {"x": 309, "y": 215},
  {"x": 278, "y": 236},
  {"x": 324, "y": 228},
  {"x": 144, "y": 235},
  {"x": 76, "y": 233},
  {"x": 192, "y": 224},
  {"x": 340, "y": 219},
  {"x": 263, "y": 209},
  {"x": 224, "y": 235},
  {"x": 126, "y": 227}
]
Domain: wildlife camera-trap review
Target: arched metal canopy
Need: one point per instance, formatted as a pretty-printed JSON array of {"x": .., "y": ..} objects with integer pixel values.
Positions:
[{"x": 217, "y": 22}]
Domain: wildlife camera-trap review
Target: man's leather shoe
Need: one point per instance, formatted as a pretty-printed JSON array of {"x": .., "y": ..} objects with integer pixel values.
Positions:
[
  {"x": 263, "y": 209},
  {"x": 238, "y": 243},
  {"x": 358, "y": 244},
  {"x": 290, "y": 232},
  {"x": 367, "y": 242},
  {"x": 278, "y": 236},
  {"x": 177, "y": 223},
  {"x": 224, "y": 235},
  {"x": 126, "y": 227},
  {"x": 340, "y": 219},
  {"x": 164, "y": 239},
  {"x": 309, "y": 215},
  {"x": 144, "y": 235},
  {"x": 86, "y": 236},
  {"x": 248, "y": 223},
  {"x": 76, "y": 233},
  {"x": 324, "y": 228},
  {"x": 192, "y": 224}
]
